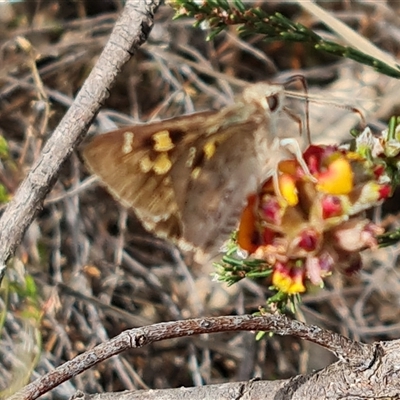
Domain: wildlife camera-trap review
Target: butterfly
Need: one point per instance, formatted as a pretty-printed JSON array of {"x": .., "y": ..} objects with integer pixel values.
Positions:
[{"x": 187, "y": 178}]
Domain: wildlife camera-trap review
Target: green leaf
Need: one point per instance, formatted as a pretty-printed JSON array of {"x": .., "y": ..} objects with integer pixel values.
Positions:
[
  {"x": 4, "y": 195},
  {"x": 4, "y": 149}
]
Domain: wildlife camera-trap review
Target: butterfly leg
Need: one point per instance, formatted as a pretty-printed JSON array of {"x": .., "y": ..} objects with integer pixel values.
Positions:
[{"x": 292, "y": 145}]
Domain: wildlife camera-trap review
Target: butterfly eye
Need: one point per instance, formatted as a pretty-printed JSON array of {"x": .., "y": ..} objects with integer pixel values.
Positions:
[{"x": 273, "y": 102}]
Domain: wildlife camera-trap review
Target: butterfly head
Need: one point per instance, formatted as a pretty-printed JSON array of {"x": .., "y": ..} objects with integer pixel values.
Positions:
[{"x": 269, "y": 97}]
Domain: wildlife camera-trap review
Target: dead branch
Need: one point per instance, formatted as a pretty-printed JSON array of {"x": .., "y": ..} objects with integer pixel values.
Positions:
[
  {"x": 130, "y": 32},
  {"x": 355, "y": 356}
]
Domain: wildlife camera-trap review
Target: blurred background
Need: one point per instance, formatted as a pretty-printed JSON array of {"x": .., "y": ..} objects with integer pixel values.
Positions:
[{"x": 87, "y": 270}]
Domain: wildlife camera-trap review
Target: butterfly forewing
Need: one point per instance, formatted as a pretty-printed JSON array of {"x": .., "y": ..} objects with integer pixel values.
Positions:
[{"x": 188, "y": 178}]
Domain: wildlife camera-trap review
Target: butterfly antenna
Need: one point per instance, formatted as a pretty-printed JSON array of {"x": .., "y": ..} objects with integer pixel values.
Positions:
[{"x": 309, "y": 98}]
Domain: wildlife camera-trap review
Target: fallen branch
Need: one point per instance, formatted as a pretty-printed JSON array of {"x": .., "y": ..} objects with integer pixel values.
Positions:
[{"x": 354, "y": 356}]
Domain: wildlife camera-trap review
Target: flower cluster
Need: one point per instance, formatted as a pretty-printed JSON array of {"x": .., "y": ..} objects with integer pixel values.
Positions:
[{"x": 308, "y": 218}]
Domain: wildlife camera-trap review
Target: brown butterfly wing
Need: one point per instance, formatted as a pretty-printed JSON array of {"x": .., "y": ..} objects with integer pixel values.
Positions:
[
  {"x": 187, "y": 178},
  {"x": 119, "y": 165},
  {"x": 216, "y": 198}
]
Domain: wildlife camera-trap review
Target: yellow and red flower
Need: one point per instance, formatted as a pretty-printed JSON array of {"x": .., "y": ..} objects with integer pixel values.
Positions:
[{"x": 305, "y": 222}]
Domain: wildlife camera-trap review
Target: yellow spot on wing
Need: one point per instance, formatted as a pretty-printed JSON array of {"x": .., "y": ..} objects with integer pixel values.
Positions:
[
  {"x": 162, "y": 141},
  {"x": 191, "y": 155},
  {"x": 209, "y": 149},
  {"x": 196, "y": 172},
  {"x": 162, "y": 164},
  {"x": 128, "y": 139},
  {"x": 146, "y": 164}
]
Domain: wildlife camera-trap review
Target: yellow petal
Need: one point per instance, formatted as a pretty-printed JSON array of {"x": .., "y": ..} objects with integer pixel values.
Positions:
[
  {"x": 288, "y": 189},
  {"x": 338, "y": 179}
]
